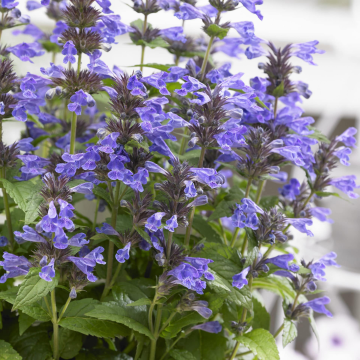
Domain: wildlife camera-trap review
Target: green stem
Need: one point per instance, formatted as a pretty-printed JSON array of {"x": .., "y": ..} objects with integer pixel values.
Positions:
[
  {"x": 247, "y": 192},
  {"x": 167, "y": 322},
  {"x": 236, "y": 348},
  {"x": 73, "y": 133},
  {"x": 182, "y": 335},
  {"x": 191, "y": 218},
  {"x": 142, "y": 57},
  {"x": 47, "y": 306},
  {"x": 96, "y": 213},
  {"x": 79, "y": 64},
  {"x": 55, "y": 327},
  {"x": 183, "y": 142},
  {"x": 150, "y": 315},
  {"x": 117, "y": 272},
  {"x": 275, "y": 106},
  {"x": 64, "y": 308},
  {"x": 233, "y": 239},
  {"x": 53, "y": 57},
  {"x": 223, "y": 232},
  {"x": 206, "y": 58},
  {"x": 156, "y": 334},
  {"x": 168, "y": 245},
  {"x": 259, "y": 191},
  {"x": 7, "y": 211},
  {"x": 1, "y": 129},
  {"x": 279, "y": 330}
]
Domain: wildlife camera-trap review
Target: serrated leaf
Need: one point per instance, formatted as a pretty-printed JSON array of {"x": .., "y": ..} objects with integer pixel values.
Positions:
[
  {"x": 78, "y": 308},
  {"x": 276, "y": 284},
  {"x": 156, "y": 66},
  {"x": 94, "y": 327},
  {"x": 180, "y": 323},
  {"x": 33, "y": 288},
  {"x": 261, "y": 343},
  {"x": 32, "y": 207},
  {"x": 25, "y": 321},
  {"x": 140, "y": 302},
  {"x": 7, "y": 352},
  {"x": 133, "y": 317},
  {"x": 261, "y": 318},
  {"x": 216, "y": 31},
  {"x": 205, "y": 230},
  {"x": 101, "y": 192},
  {"x": 178, "y": 354},
  {"x": 70, "y": 343},
  {"x": 289, "y": 332},
  {"x": 268, "y": 202},
  {"x": 252, "y": 255}
]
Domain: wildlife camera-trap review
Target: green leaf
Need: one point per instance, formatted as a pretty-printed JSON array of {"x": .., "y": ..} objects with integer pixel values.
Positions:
[
  {"x": 143, "y": 301},
  {"x": 314, "y": 328},
  {"x": 94, "y": 327},
  {"x": 143, "y": 234},
  {"x": 34, "y": 344},
  {"x": 176, "y": 326},
  {"x": 156, "y": 66},
  {"x": 251, "y": 257},
  {"x": 101, "y": 192},
  {"x": 32, "y": 207},
  {"x": 49, "y": 46},
  {"x": 261, "y": 343},
  {"x": 139, "y": 23},
  {"x": 123, "y": 223},
  {"x": 268, "y": 202},
  {"x": 178, "y": 354},
  {"x": 7, "y": 352},
  {"x": 36, "y": 121},
  {"x": 25, "y": 321},
  {"x": 33, "y": 288},
  {"x": 70, "y": 343},
  {"x": 261, "y": 318},
  {"x": 133, "y": 317},
  {"x": 277, "y": 285},
  {"x": 289, "y": 332},
  {"x": 260, "y": 103},
  {"x": 326, "y": 194},
  {"x": 78, "y": 308},
  {"x": 279, "y": 90},
  {"x": 101, "y": 354},
  {"x": 317, "y": 135},
  {"x": 205, "y": 230},
  {"x": 216, "y": 31}
]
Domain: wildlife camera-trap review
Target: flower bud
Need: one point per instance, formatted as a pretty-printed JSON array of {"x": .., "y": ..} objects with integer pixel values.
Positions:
[
  {"x": 105, "y": 47},
  {"x": 101, "y": 133},
  {"x": 72, "y": 294},
  {"x": 50, "y": 94},
  {"x": 43, "y": 261}
]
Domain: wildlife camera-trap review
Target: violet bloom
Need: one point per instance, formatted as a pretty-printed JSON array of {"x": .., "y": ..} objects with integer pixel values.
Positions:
[
  {"x": 318, "y": 305},
  {"x": 202, "y": 98},
  {"x": 26, "y": 145},
  {"x": 251, "y": 6},
  {"x": 305, "y": 51},
  {"x": 78, "y": 240},
  {"x": 321, "y": 214},
  {"x": 190, "y": 85},
  {"x": 201, "y": 308},
  {"x": 176, "y": 72},
  {"x": 14, "y": 266},
  {"x": 26, "y": 51},
  {"x": 30, "y": 235},
  {"x": 318, "y": 267},
  {"x": 300, "y": 224},
  {"x": 346, "y": 184},
  {"x": 105, "y": 5},
  {"x": 32, "y": 5},
  {"x": 60, "y": 240},
  {"x": 3, "y": 241},
  {"x": 347, "y": 137},
  {"x": 190, "y": 189},
  {"x": 9, "y": 4},
  {"x": 171, "y": 224},
  {"x": 174, "y": 33},
  {"x": 239, "y": 280},
  {"x": 189, "y": 277},
  {"x": 201, "y": 265},
  {"x": 250, "y": 207},
  {"x": 158, "y": 81},
  {"x": 199, "y": 201},
  {"x": 282, "y": 261},
  {"x": 188, "y": 12},
  {"x": 123, "y": 254},
  {"x": 208, "y": 177},
  {"x": 343, "y": 153},
  {"x": 69, "y": 51},
  {"x": 87, "y": 263},
  {"x": 79, "y": 99},
  {"x": 291, "y": 190},
  {"x": 109, "y": 143},
  {"x": 155, "y": 168},
  {"x": 244, "y": 28},
  {"x": 86, "y": 188},
  {"x": 154, "y": 221},
  {"x": 212, "y": 327},
  {"x": 118, "y": 170},
  {"x": 136, "y": 86},
  {"x": 107, "y": 230},
  {"x": 47, "y": 272},
  {"x": 60, "y": 27},
  {"x": 217, "y": 75},
  {"x": 291, "y": 153}
]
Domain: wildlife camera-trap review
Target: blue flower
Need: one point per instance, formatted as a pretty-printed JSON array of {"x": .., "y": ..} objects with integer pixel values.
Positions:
[
  {"x": 85, "y": 188},
  {"x": 154, "y": 221},
  {"x": 346, "y": 184},
  {"x": 239, "y": 280},
  {"x": 33, "y": 5},
  {"x": 79, "y": 99},
  {"x": 47, "y": 272},
  {"x": 343, "y": 153},
  {"x": 251, "y": 6},
  {"x": 30, "y": 235},
  {"x": 14, "y": 266},
  {"x": 60, "y": 240},
  {"x": 136, "y": 86},
  {"x": 209, "y": 177},
  {"x": 244, "y": 28},
  {"x": 291, "y": 153},
  {"x": 191, "y": 84},
  {"x": 347, "y": 137},
  {"x": 78, "y": 240},
  {"x": 60, "y": 27},
  {"x": 188, "y": 12},
  {"x": 123, "y": 254},
  {"x": 318, "y": 305},
  {"x": 305, "y": 51},
  {"x": 300, "y": 224},
  {"x": 87, "y": 263},
  {"x": 174, "y": 33},
  {"x": 321, "y": 214},
  {"x": 318, "y": 268},
  {"x": 3, "y": 241},
  {"x": 69, "y": 51},
  {"x": 158, "y": 81},
  {"x": 282, "y": 261},
  {"x": 171, "y": 224},
  {"x": 26, "y": 145},
  {"x": 118, "y": 170},
  {"x": 108, "y": 144},
  {"x": 291, "y": 190},
  {"x": 201, "y": 265},
  {"x": 212, "y": 327},
  {"x": 9, "y": 4},
  {"x": 190, "y": 189},
  {"x": 26, "y": 51},
  {"x": 105, "y": 4},
  {"x": 107, "y": 230}
]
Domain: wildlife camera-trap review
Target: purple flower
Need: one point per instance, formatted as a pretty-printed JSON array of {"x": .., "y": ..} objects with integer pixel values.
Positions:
[
  {"x": 154, "y": 221},
  {"x": 300, "y": 224},
  {"x": 212, "y": 327},
  {"x": 201, "y": 308},
  {"x": 282, "y": 261},
  {"x": 45, "y": 2},
  {"x": 174, "y": 34},
  {"x": 250, "y": 207},
  {"x": 60, "y": 27},
  {"x": 318, "y": 305},
  {"x": 201, "y": 265},
  {"x": 190, "y": 85},
  {"x": 79, "y": 99},
  {"x": 199, "y": 201},
  {"x": 87, "y": 263},
  {"x": 253, "y": 52},
  {"x": 176, "y": 73},
  {"x": 343, "y": 153},
  {"x": 105, "y": 4},
  {"x": 78, "y": 240},
  {"x": 305, "y": 51},
  {"x": 123, "y": 254},
  {"x": 189, "y": 277},
  {"x": 32, "y": 5},
  {"x": 158, "y": 81},
  {"x": 190, "y": 189},
  {"x": 69, "y": 51},
  {"x": 9, "y": 4},
  {"x": 188, "y": 12},
  {"x": 346, "y": 184},
  {"x": 136, "y": 86},
  {"x": 218, "y": 75},
  {"x": 155, "y": 168},
  {"x": 60, "y": 240},
  {"x": 14, "y": 266},
  {"x": 291, "y": 153},
  {"x": 328, "y": 259},
  {"x": 26, "y": 51},
  {"x": 25, "y": 145},
  {"x": 107, "y": 230},
  {"x": 251, "y": 6},
  {"x": 30, "y": 235},
  {"x": 3, "y": 241},
  {"x": 347, "y": 137},
  {"x": 209, "y": 177},
  {"x": 86, "y": 188},
  {"x": 321, "y": 214},
  {"x": 202, "y": 98},
  {"x": 244, "y": 28},
  {"x": 118, "y": 170},
  {"x": 291, "y": 190},
  {"x": 108, "y": 144},
  {"x": 48, "y": 272},
  {"x": 239, "y": 280},
  {"x": 318, "y": 268},
  {"x": 31, "y": 30},
  {"x": 171, "y": 224}
]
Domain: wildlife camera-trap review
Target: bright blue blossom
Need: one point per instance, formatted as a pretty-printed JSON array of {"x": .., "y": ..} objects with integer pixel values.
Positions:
[
  {"x": 212, "y": 327},
  {"x": 30, "y": 235},
  {"x": 251, "y": 6},
  {"x": 154, "y": 221},
  {"x": 239, "y": 280},
  {"x": 190, "y": 189},
  {"x": 78, "y": 240},
  {"x": 291, "y": 190},
  {"x": 3, "y": 241},
  {"x": 321, "y": 214},
  {"x": 14, "y": 266},
  {"x": 190, "y": 85},
  {"x": 26, "y": 51},
  {"x": 69, "y": 51},
  {"x": 282, "y": 261},
  {"x": 79, "y": 99},
  {"x": 171, "y": 224},
  {"x": 136, "y": 86},
  {"x": 305, "y": 51},
  {"x": 346, "y": 184},
  {"x": 318, "y": 305},
  {"x": 300, "y": 224},
  {"x": 188, "y": 12},
  {"x": 47, "y": 272},
  {"x": 123, "y": 254},
  {"x": 347, "y": 137},
  {"x": 174, "y": 33},
  {"x": 107, "y": 230}
]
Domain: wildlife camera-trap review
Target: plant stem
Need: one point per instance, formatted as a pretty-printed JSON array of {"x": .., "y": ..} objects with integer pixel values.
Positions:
[
  {"x": 275, "y": 106},
  {"x": 233, "y": 239},
  {"x": 223, "y": 232},
  {"x": 279, "y": 330},
  {"x": 47, "y": 305},
  {"x": 236, "y": 348},
  {"x": 64, "y": 308},
  {"x": 79, "y": 64},
  {"x": 259, "y": 191},
  {"x": 53, "y": 57},
  {"x": 183, "y": 142},
  {"x": 168, "y": 245},
  {"x": 143, "y": 46},
  {"x": 182, "y": 335},
  {"x": 167, "y": 322},
  {"x": 73, "y": 133},
  {"x": 156, "y": 332},
  {"x": 206, "y": 57},
  {"x": 110, "y": 259},
  {"x": 117, "y": 272},
  {"x": 96, "y": 213},
  {"x": 247, "y": 192},
  {"x": 191, "y": 218},
  {"x": 7, "y": 211},
  {"x": 55, "y": 327}
]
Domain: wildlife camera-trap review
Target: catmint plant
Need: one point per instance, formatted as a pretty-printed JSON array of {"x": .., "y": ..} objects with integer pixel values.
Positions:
[{"x": 177, "y": 161}]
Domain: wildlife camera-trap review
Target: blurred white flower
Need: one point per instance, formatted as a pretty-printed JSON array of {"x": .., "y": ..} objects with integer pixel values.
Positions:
[
  {"x": 339, "y": 339},
  {"x": 289, "y": 353}
]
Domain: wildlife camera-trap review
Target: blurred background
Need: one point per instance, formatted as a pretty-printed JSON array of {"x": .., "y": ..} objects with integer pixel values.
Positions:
[{"x": 335, "y": 104}]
